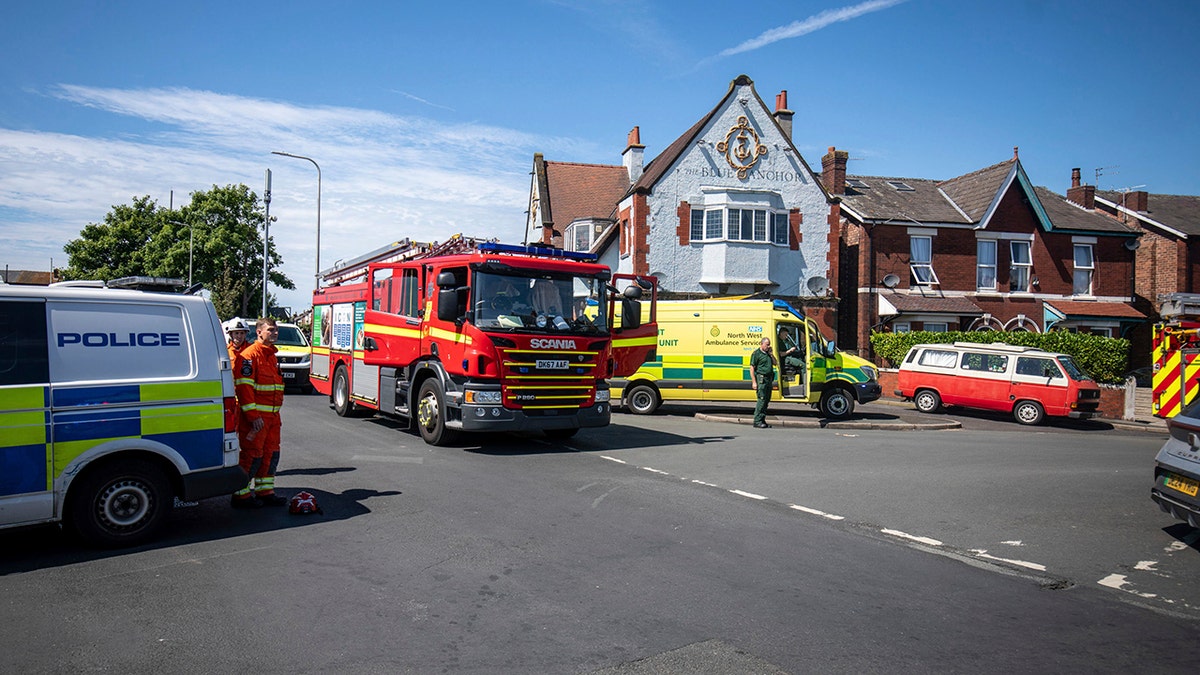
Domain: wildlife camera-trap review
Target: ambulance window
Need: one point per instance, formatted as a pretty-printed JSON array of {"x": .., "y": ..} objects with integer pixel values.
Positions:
[{"x": 23, "y": 357}]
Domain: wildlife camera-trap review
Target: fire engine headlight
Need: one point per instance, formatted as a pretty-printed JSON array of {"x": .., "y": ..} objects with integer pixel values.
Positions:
[
  {"x": 483, "y": 397},
  {"x": 602, "y": 395}
]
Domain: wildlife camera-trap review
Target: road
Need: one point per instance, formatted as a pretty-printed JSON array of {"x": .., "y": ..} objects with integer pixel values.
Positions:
[{"x": 660, "y": 544}]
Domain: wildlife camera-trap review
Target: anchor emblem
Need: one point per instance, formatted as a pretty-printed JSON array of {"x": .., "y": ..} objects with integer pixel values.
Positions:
[{"x": 741, "y": 144}]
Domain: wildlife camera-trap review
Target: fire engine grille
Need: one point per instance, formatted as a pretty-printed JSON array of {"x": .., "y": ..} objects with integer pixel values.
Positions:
[{"x": 548, "y": 380}]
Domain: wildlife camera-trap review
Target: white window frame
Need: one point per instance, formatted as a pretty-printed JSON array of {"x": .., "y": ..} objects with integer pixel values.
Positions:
[
  {"x": 1018, "y": 270},
  {"x": 571, "y": 236},
  {"x": 941, "y": 327},
  {"x": 714, "y": 224},
  {"x": 981, "y": 267},
  {"x": 1089, "y": 269},
  {"x": 756, "y": 225},
  {"x": 696, "y": 227},
  {"x": 925, "y": 266}
]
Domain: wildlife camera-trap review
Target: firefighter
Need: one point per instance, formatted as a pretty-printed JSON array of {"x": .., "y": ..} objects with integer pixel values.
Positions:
[
  {"x": 259, "y": 387},
  {"x": 236, "y": 330}
]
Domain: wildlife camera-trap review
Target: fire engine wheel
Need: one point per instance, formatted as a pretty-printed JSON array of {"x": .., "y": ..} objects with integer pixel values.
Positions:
[
  {"x": 927, "y": 401},
  {"x": 837, "y": 404},
  {"x": 120, "y": 504},
  {"x": 340, "y": 395},
  {"x": 1029, "y": 412},
  {"x": 641, "y": 399},
  {"x": 431, "y": 414}
]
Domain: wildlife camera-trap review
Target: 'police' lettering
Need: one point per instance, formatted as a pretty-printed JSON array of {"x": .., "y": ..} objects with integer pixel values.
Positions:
[{"x": 120, "y": 340}]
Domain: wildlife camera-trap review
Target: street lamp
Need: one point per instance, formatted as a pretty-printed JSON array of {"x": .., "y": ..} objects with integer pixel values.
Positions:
[{"x": 317, "y": 276}]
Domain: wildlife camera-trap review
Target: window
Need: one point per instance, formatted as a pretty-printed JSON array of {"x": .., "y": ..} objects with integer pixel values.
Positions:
[
  {"x": 760, "y": 226},
  {"x": 23, "y": 355},
  {"x": 934, "y": 327},
  {"x": 1022, "y": 264},
  {"x": 697, "y": 232},
  {"x": 985, "y": 363},
  {"x": 938, "y": 358},
  {"x": 407, "y": 303},
  {"x": 712, "y": 223},
  {"x": 579, "y": 236},
  {"x": 921, "y": 260},
  {"x": 985, "y": 266},
  {"x": 780, "y": 228},
  {"x": 735, "y": 227},
  {"x": 901, "y": 327},
  {"x": 900, "y": 185},
  {"x": 1035, "y": 367},
  {"x": 1084, "y": 267}
]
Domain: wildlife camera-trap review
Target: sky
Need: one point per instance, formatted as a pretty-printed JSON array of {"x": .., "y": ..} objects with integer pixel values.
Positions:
[{"x": 424, "y": 118}]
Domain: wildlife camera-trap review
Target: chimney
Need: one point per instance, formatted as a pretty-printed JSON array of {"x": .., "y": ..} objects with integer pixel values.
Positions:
[
  {"x": 1137, "y": 200},
  {"x": 833, "y": 171},
  {"x": 632, "y": 156},
  {"x": 782, "y": 115},
  {"x": 1083, "y": 195}
]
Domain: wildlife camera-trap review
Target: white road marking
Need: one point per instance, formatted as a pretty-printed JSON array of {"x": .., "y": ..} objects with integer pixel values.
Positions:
[
  {"x": 653, "y": 470},
  {"x": 1176, "y": 546},
  {"x": 816, "y": 512},
  {"x": 700, "y": 482},
  {"x": 1118, "y": 581},
  {"x": 982, "y": 553},
  {"x": 613, "y": 459},
  {"x": 1145, "y": 565},
  {"x": 751, "y": 495},
  {"x": 1016, "y": 542},
  {"x": 905, "y": 535},
  {"x": 387, "y": 458}
]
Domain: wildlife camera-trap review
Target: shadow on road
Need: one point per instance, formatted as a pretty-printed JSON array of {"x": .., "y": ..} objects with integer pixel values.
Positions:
[{"x": 189, "y": 522}]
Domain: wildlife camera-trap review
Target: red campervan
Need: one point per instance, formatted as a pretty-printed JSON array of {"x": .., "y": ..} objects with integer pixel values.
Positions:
[{"x": 1025, "y": 381}]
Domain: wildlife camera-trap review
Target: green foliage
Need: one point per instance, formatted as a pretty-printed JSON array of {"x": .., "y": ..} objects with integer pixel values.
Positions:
[
  {"x": 218, "y": 232},
  {"x": 1103, "y": 358}
]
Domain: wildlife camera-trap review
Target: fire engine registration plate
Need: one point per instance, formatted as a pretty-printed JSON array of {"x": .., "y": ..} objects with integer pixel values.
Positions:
[
  {"x": 551, "y": 364},
  {"x": 1185, "y": 485}
]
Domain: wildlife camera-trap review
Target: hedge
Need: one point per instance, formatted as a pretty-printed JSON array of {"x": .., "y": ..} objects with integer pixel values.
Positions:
[{"x": 1103, "y": 358}]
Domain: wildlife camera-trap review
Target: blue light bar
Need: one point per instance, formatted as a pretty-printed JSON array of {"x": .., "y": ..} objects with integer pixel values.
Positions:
[
  {"x": 783, "y": 306},
  {"x": 496, "y": 247}
]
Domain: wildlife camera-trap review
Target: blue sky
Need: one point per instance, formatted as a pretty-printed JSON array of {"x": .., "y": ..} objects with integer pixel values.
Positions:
[{"x": 425, "y": 117}]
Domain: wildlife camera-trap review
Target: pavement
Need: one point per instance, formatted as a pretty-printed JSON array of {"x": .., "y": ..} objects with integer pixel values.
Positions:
[{"x": 802, "y": 417}]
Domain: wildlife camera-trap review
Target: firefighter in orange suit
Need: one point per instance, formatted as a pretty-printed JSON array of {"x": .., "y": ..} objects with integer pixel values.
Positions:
[
  {"x": 236, "y": 331},
  {"x": 259, "y": 387}
]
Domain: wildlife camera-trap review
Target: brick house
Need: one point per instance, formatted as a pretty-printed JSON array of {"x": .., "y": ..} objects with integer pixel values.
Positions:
[
  {"x": 986, "y": 250},
  {"x": 730, "y": 207}
]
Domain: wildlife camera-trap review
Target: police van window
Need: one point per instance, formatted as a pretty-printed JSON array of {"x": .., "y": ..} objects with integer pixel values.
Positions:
[
  {"x": 150, "y": 341},
  {"x": 938, "y": 358},
  {"x": 23, "y": 358}
]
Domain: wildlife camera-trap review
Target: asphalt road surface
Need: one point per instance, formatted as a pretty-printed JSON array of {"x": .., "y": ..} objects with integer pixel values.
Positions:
[{"x": 661, "y": 544}]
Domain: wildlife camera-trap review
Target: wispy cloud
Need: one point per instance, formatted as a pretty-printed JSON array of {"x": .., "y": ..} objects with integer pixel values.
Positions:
[
  {"x": 418, "y": 99},
  {"x": 811, "y": 24},
  {"x": 384, "y": 176}
]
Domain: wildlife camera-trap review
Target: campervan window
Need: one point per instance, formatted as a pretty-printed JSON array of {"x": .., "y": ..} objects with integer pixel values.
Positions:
[
  {"x": 938, "y": 358},
  {"x": 988, "y": 363},
  {"x": 1028, "y": 365}
]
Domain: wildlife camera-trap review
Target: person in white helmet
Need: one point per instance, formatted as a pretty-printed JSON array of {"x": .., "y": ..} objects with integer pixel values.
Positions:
[{"x": 236, "y": 330}]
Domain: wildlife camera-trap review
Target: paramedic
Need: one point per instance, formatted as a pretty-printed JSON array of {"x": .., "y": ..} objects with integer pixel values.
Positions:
[{"x": 762, "y": 370}]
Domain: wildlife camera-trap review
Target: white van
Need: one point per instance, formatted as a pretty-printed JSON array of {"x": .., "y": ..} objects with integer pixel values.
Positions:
[{"x": 112, "y": 403}]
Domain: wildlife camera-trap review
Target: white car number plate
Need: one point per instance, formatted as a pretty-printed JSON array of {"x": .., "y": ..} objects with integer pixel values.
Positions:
[
  {"x": 287, "y": 375},
  {"x": 551, "y": 364}
]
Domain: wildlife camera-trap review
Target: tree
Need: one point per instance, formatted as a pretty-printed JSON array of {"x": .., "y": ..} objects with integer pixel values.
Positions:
[
  {"x": 116, "y": 247},
  {"x": 218, "y": 229}
]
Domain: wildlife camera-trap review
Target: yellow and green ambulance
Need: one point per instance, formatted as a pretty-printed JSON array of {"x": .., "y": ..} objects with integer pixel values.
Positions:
[{"x": 704, "y": 349}]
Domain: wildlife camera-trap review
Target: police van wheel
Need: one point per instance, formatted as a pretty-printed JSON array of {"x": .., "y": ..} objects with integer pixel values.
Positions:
[
  {"x": 1029, "y": 412},
  {"x": 927, "y": 401},
  {"x": 431, "y": 413},
  {"x": 837, "y": 404},
  {"x": 121, "y": 504},
  {"x": 641, "y": 399},
  {"x": 342, "y": 404}
]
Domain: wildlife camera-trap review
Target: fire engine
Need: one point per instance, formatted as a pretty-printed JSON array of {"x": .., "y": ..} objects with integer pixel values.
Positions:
[
  {"x": 477, "y": 336},
  {"x": 1176, "y": 346}
]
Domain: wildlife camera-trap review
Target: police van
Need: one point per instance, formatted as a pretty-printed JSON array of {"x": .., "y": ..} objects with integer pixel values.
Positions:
[{"x": 112, "y": 404}]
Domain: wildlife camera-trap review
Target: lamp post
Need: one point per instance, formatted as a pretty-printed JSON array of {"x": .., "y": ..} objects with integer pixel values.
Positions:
[{"x": 317, "y": 275}]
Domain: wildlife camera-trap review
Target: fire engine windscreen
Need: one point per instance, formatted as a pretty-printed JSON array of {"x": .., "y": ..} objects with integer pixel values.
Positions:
[{"x": 552, "y": 303}]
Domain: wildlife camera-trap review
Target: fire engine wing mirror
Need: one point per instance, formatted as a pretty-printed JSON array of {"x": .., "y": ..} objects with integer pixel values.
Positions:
[
  {"x": 447, "y": 302},
  {"x": 446, "y": 280},
  {"x": 632, "y": 292},
  {"x": 370, "y": 345},
  {"x": 631, "y": 313}
]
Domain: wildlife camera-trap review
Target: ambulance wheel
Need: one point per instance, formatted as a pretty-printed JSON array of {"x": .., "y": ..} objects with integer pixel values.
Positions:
[
  {"x": 340, "y": 395},
  {"x": 927, "y": 401},
  {"x": 837, "y": 404},
  {"x": 1029, "y": 412},
  {"x": 120, "y": 504},
  {"x": 641, "y": 399},
  {"x": 431, "y": 413}
]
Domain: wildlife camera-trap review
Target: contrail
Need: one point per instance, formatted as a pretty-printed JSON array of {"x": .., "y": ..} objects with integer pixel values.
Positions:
[{"x": 809, "y": 25}]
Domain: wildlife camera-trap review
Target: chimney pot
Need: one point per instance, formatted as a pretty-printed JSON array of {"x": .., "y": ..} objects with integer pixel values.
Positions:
[{"x": 1075, "y": 182}]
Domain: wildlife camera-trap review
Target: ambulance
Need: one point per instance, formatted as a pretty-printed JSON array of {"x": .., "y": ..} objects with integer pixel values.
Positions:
[
  {"x": 113, "y": 403},
  {"x": 704, "y": 349}
]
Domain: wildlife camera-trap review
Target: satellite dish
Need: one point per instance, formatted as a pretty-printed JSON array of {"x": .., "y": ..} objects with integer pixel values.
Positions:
[
  {"x": 891, "y": 281},
  {"x": 1133, "y": 244},
  {"x": 818, "y": 285}
]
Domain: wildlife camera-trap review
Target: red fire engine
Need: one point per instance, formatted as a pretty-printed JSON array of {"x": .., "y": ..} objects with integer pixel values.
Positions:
[
  {"x": 1176, "y": 346},
  {"x": 479, "y": 336}
]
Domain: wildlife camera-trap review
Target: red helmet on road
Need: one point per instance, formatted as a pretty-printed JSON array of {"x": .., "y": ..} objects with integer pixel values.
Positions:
[{"x": 304, "y": 502}]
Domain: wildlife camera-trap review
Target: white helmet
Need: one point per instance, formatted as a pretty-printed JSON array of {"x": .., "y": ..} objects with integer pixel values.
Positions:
[{"x": 236, "y": 323}]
